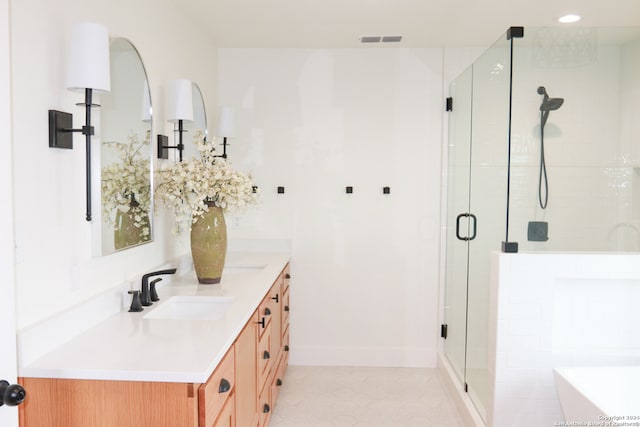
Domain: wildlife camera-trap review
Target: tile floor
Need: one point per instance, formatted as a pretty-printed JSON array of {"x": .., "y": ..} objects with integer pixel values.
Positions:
[{"x": 363, "y": 397}]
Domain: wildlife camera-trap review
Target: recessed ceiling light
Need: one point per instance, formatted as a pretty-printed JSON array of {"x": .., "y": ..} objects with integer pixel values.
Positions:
[{"x": 568, "y": 19}]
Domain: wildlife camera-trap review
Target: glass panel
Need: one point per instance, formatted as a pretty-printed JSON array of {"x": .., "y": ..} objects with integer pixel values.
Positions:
[
  {"x": 459, "y": 152},
  {"x": 125, "y": 154},
  {"x": 589, "y": 129},
  {"x": 488, "y": 189}
]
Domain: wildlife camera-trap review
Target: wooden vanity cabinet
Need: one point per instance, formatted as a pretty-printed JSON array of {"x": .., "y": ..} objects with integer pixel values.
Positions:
[{"x": 241, "y": 392}]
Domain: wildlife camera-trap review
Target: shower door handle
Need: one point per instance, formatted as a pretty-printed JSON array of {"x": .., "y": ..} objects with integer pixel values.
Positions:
[{"x": 474, "y": 229}]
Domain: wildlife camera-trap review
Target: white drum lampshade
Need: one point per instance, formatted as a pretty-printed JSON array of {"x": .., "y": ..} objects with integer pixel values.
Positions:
[
  {"x": 89, "y": 58},
  {"x": 225, "y": 123},
  {"x": 179, "y": 100}
]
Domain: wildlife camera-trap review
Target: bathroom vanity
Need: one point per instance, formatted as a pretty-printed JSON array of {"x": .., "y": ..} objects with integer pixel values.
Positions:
[{"x": 219, "y": 363}]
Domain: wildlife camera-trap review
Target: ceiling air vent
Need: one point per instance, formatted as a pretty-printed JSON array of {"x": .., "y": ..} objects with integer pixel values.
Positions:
[
  {"x": 370, "y": 39},
  {"x": 380, "y": 39},
  {"x": 391, "y": 39}
]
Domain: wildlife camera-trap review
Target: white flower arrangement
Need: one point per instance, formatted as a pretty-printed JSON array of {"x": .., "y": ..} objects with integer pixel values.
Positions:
[
  {"x": 186, "y": 187},
  {"x": 126, "y": 183}
]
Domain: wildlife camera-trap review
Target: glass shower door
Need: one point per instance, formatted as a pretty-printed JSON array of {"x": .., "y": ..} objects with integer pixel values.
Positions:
[
  {"x": 476, "y": 211},
  {"x": 487, "y": 200},
  {"x": 459, "y": 158}
]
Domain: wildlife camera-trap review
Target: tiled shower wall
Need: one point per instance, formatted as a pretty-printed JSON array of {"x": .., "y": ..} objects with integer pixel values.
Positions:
[
  {"x": 556, "y": 310},
  {"x": 592, "y": 143}
]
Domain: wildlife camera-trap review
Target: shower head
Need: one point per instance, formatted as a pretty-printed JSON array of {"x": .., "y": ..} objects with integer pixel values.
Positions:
[{"x": 549, "y": 104}]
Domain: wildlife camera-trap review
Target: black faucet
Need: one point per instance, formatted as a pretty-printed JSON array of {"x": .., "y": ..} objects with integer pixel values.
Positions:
[
  {"x": 153, "y": 295},
  {"x": 145, "y": 295}
]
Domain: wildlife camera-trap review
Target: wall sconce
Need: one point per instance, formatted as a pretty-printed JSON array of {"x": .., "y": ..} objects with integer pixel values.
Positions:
[
  {"x": 179, "y": 110},
  {"x": 225, "y": 128},
  {"x": 88, "y": 71}
]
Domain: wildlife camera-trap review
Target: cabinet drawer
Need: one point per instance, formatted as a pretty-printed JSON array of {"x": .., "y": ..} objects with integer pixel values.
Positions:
[
  {"x": 264, "y": 405},
  {"x": 286, "y": 278},
  {"x": 264, "y": 315},
  {"x": 285, "y": 347},
  {"x": 264, "y": 357},
  {"x": 277, "y": 380},
  {"x": 285, "y": 309},
  {"x": 227, "y": 417},
  {"x": 213, "y": 394}
]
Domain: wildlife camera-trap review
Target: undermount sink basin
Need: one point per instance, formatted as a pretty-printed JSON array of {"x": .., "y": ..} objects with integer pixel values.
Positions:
[{"x": 191, "y": 308}]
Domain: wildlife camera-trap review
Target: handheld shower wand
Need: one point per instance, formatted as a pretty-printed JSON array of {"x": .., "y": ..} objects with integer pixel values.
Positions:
[{"x": 548, "y": 104}]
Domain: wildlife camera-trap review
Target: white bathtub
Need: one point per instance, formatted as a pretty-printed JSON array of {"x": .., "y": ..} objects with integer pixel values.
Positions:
[{"x": 599, "y": 393}]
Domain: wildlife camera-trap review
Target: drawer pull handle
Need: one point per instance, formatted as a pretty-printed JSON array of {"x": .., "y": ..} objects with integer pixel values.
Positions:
[
  {"x": 287, "y": 276},
  {"x": 286, "y": 348},
  {"x": 286, "y": 308},
  {"x": 278, "y": 382},
  {"x": 267, "y": 311},
  {"x": 266, "y": 408},
  {"x": 276, "y": 298},
  {"x": 225, "y": 386},
  {"x": 266, "y": 355},
  {"x": 263, "y": 323}
]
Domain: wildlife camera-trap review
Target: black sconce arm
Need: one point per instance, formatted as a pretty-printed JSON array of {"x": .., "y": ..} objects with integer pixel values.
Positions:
[
  {"x": 163, "y": 149},
  {"x": 60, "y": 136}
]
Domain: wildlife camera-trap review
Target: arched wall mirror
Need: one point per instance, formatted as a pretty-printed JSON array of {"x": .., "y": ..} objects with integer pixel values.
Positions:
[
  {"x": 199, "y": 123},
  {"x": 126, "y": 196}
]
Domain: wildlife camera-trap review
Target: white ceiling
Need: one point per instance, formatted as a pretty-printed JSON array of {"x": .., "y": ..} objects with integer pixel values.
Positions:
[{"x": 423, "y": 23}]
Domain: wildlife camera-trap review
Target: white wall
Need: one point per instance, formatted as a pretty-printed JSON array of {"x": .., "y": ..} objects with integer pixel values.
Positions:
[
  {"x": 366, "y": 264},
  {"x": 55, "y": 268}
]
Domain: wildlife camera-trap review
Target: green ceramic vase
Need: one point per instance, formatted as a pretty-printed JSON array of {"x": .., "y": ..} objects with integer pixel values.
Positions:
[{"x": 209, "y": 245}]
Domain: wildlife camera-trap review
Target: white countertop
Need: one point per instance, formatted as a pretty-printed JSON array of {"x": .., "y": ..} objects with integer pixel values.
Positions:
[{"x": 128, "y": 347}]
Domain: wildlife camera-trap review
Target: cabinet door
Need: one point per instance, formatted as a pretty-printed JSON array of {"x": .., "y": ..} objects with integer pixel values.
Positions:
[
  {"x": 214, "y": 394},
  {"x": 227, "y": 414},
  {"x": 246, "y": 348}
]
